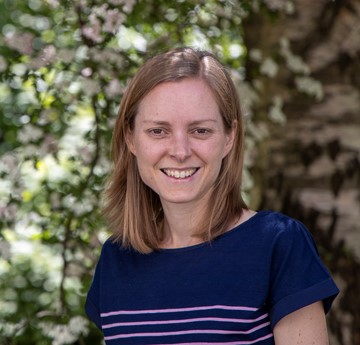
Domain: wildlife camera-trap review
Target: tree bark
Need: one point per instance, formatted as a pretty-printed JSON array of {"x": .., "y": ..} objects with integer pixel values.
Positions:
[{"x": 309, "y": 168}]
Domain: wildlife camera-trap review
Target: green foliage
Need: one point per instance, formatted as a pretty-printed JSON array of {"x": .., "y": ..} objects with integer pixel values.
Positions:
[{"x": 63, "y": 68}]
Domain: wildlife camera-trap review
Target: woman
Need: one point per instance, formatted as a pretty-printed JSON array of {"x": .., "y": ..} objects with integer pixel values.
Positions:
[{"x": 189, "y": 263}]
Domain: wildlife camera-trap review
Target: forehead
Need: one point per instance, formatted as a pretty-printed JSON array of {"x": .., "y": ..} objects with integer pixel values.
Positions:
[{"x": 185, "y": 98}]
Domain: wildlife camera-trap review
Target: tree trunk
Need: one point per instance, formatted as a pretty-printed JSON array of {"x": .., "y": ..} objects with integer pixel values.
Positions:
[{"x": 309, "y": 167}]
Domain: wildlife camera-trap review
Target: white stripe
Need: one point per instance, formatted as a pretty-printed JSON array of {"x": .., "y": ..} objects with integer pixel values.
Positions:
[{"x": 177, "y": 310}]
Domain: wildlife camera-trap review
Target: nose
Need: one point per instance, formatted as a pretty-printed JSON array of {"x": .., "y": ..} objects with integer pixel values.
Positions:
[{"x": 180, "y": 147}]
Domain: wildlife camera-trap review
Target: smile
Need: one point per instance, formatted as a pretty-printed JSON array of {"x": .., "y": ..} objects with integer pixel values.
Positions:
[{"x": 179, "y": 174}]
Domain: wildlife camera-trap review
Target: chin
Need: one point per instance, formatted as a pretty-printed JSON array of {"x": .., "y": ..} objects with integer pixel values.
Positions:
[{"x": 184, "y": 198}]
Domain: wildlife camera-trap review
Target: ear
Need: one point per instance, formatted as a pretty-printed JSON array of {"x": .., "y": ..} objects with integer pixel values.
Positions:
[
  {"x": 230, "y": 137},
  {"x": 129, "y": 138}
]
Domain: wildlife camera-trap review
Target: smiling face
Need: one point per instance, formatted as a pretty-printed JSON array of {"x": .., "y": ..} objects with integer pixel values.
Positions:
[{"x": 179, "y": 141}]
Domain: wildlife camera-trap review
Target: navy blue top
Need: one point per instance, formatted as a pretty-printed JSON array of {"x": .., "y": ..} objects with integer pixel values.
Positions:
[{"x": 230, "y": 291}]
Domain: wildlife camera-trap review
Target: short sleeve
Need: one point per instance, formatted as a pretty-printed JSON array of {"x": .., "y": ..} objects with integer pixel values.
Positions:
[{"x": 298, "y": 277}]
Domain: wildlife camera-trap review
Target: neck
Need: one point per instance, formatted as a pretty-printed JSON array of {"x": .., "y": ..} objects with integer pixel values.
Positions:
[{"x": 180, "y": 223}]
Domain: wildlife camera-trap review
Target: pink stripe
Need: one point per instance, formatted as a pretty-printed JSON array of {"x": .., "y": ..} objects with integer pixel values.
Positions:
[
  {"x": 192, "y": 331},
  {"x": 200, "y": 319},
  {"x": 228, "y": 343},
  {"x": 176, "y": 310}
]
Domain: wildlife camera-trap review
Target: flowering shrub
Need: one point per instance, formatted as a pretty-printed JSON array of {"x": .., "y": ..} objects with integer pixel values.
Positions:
[{"x": 63, "y": 68}]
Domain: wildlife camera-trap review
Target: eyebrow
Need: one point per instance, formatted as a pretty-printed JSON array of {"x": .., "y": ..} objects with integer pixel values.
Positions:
[{"x": 166, "y": 123}]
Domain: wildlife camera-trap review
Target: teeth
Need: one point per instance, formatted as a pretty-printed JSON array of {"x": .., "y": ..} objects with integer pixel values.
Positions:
[{"x": 179, "y": 174}]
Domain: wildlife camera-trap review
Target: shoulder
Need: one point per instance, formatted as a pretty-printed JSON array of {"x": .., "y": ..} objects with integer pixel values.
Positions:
[
  {"x": 282, "y": 230},
  {"x": 277, "y": 218},
  {"x": 281, "y": 223},
  {"x": 113, "y": 248},
  {"x": 267, "y": 231},
  {"x": 111, "y": 245}
]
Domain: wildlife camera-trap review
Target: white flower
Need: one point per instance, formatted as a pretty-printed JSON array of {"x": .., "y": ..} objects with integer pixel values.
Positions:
[
  {"x": 78, "y": 207},
  {"x": 93, "y": 30},
  {"x": 113, "y": 20},
  {"x": 8, "y": 213},
  {"x": 248, "y": 98},
  {"x": 4, "y": 248},
  {"x": 73, "y": 139},
  {"x": 277, "y": 5},
  {"x": 60, "y": 334},
  {"x": 53, "y": 3},
  {"x": 3, "y": 64},
  {"x": 255, "y": 55},
  {"x": 289, "y": 7},
  {"x": 29, "y": 133},
  {"x": 41, "y": 85},
  {"x": 45, "y": 116},
  {"x": 276, "y": 113},
  {"x": 5, "y": 188},
  {"x": 90, "y": 87},
  {"x": 66, "y": 55},
  {"x": 49, "y": 54},
  {"x": 274, "y": 4},
  {"x": 8, "y": 163},
  {"x": 269, "y": 67},
  {"x": 294, "y": 62},
  {"x": 65, "y": 334},
  {"x": 49, "y": 144},
  {"x": 128, "y": 38},
  {"x": 112, "y": 57},
  {"x": 30, "y": 150},
  {"x": 113, "y": 89},
  {"x": 235, "y": 50},
  {"x": 310, "y": 86},
  {"x": 129, "y": 5},
  {"x": 99, "y": 11},
  {"x": 21, "y": 42},
  {"x": 49, "y": 168},
  {"x": 86, "y": 153},
  {"x": 103, "y": 167},
  {"x": 258, "y": 132},
  {"x": 55, "y": 200},
  {"x": 78, "y": 325},
  {"x": 81, "y": 53},
  {"x": 8, "y": 329}
]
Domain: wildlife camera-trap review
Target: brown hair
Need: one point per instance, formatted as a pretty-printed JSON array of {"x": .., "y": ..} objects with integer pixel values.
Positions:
[{"x": 133, "y": 210}]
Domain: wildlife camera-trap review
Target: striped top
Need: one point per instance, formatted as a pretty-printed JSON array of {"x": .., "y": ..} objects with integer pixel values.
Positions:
[
  {"x": 231, "y": 291},
  {"x": 202, "y": 322}
]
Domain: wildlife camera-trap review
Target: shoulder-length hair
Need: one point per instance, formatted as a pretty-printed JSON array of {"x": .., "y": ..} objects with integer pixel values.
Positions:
[{"x": 132, "y": 209}]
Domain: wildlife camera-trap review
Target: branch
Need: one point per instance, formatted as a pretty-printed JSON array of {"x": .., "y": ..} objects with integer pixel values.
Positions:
[{"x": 65, "y": 242}]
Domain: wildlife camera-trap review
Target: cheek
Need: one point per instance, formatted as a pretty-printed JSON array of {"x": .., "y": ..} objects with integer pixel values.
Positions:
[
  {"x": 146, "y": 175},
  {"x": 216, "y": 151},
  {"x": 146, "y": 161},
  {"x": 143, "y": 169},
  {"x": 139, "y": 147}
]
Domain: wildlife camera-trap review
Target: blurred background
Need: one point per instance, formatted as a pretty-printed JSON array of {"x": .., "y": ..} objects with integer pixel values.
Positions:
[{"x": 64, "y": 66}]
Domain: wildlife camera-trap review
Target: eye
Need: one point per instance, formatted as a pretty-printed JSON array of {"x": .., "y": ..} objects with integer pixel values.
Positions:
[
  {"x": 157, "y": 132},
  {"x": 201, "y": 131}
]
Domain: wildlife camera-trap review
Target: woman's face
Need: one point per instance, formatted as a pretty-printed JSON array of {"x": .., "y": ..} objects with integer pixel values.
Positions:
[{"x": 179, "y": 141}]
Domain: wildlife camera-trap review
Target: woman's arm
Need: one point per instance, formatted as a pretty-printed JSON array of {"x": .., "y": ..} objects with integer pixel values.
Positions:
[{"x": 306, "y": 326}]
